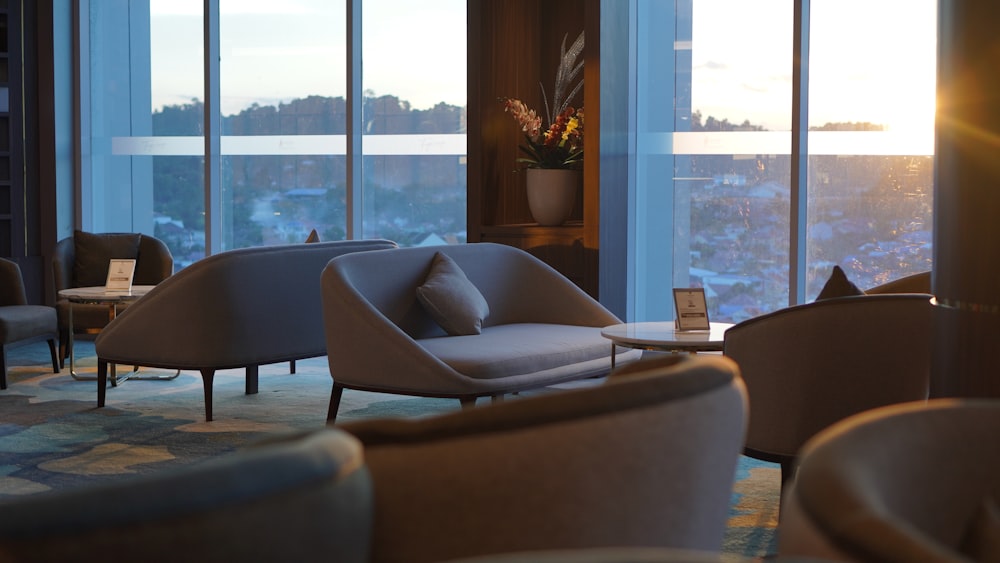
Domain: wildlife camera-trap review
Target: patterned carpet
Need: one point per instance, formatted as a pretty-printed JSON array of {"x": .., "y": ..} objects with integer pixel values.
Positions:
[{"x": 52, "y": 436}]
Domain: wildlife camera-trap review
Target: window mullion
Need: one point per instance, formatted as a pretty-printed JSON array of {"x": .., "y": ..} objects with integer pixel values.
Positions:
[{"x": 800, "y": 154}]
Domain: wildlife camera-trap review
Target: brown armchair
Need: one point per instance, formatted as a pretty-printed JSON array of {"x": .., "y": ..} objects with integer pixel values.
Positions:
[
  {"x": 82, "y": 260},
  {"x": 21, "y": 323},
  {"x": 811, "y": 365}
]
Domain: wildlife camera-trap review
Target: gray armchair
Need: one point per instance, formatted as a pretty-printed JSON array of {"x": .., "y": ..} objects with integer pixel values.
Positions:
[
  {"x": 540, "y": 329},
  {"x": 646, "y": 459},
  {"x": 303, "y": 500},
  {"x": 912, "y": 482},
  {"x": 21, "y": 323},
  {"x": 82, "y": 260},
  {"x": 811, "y": 365}
]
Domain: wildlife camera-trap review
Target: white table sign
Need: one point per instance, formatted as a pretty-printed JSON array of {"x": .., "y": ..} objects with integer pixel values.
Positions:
[
  {"x": 691, "y": 308},
  {"x": 120, "y": 274}
]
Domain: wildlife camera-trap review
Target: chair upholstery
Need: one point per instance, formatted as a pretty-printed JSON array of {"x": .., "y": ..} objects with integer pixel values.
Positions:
[
  {"x": 303, "y": 500},
  {"x": 810, "y": 365},
  {"x": 647, "y": 458},
  {"x": 910, "y": 482},
  {"x": 21, "y": 323},
  {"x": 235, "y": 309},
  {"x": 914, "y": 283},
  {"x": 153, "y": 264},
  {"x": 541, "y": 328}
]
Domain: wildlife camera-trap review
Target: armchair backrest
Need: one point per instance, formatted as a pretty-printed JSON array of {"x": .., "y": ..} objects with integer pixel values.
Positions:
[
  {"x": 913, "y": 283},
  {"x": 810, "y": 365},
  {"x": 910, "y": 482},
  {"x": 154, "y": 262},
  {"x": 240, "y": 307},
  {"x": 11, "y": 284},
  {"x": 646, "y": 459},
  {"x": 302, "y": 500},
  {"x": 517, "y": 286}
]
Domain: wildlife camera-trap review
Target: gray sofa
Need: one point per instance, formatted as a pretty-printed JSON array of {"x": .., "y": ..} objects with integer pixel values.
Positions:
[
  {"x": 240, "y": 308},
  {"x": 540, "y": 329}
]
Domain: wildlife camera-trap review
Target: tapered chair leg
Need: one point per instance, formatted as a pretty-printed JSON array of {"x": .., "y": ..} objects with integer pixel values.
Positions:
[
  {"x": 335, "y": 394},
  {"x": 3, "y": 367},
  {"x": 54, "y": 354},
  {"x": 102, "y": 381},
  {"x": 208, "y": 376}
]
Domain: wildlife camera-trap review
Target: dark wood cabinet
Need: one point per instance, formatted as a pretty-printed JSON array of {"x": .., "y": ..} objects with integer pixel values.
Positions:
[{"x": 514, "y": 48}]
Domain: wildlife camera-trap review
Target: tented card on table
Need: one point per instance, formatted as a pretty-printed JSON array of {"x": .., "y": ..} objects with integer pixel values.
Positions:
[
  {"x": 691, "y": 309},
  {"x": 120, "y": 274}
]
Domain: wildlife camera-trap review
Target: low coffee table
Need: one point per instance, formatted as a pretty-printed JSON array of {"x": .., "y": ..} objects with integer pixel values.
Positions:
[
  {"x": 112, "y": 298},
  {"x": 664, "y": 337}
]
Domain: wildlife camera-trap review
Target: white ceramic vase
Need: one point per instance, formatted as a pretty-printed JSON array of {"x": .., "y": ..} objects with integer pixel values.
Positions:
[{"x": 551, "y": 194}]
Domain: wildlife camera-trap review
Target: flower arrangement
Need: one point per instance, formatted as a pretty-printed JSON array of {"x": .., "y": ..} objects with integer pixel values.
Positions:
[{"x": 560, "y": 143}]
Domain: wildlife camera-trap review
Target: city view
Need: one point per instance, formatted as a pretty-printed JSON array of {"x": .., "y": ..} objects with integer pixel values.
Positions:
[
  {"x": 279, "y": 199},
  {"x": 282, "y": 169}
]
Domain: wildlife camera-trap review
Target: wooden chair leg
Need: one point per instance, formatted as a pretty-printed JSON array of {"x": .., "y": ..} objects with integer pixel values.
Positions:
[
  {"x": 208, "y": 375},
  {"x": 468, "y": 402},
  {"x": 102, "y": 381},
  {"x": 3, "y": 366},
  {"x": 291, "y": 367},
  {"x": 335, "y": 394},
  {"x": 252, "y": 376},
  {"x": 54, "y": 354}
]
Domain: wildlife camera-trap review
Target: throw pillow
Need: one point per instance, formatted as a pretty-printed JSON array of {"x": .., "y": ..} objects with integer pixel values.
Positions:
[
  {"x": 838, "y": 286},
  {"x": 451, "y": 299},
  {"x": 95, "y": 251}
]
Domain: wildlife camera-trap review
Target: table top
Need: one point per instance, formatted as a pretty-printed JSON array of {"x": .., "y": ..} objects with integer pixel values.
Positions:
[
  {"x": 665, "y": 336},
  {"x": 100, "y": 294}
]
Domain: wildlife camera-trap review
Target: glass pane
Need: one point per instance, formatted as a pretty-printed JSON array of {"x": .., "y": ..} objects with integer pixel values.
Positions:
[
  {"x": 712, "y": 205},
  {"x": 871, "y": 140},
  {"x": 414, "y": 167},
  {"x": 145, "y": 82},
  {"x": 282, "y": 77}
]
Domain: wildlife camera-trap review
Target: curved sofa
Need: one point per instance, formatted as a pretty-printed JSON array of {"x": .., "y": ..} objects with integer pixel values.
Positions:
[
  {"x": 240, "y": 308},
  {"x": 541, "y": 328}
]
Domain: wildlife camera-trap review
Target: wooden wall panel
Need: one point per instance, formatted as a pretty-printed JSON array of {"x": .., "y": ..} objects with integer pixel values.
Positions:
[{"x": 514, "y": 48}]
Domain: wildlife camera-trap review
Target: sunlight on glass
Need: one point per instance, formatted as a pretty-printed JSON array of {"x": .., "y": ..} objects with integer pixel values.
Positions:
[{"x": 872, "y": 62}]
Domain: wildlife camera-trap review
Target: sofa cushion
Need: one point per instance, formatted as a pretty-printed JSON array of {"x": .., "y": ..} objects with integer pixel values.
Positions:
[
  {"x": 94, "y": 253},
  {"x": 516, "y": 349},
  {"x": 451, "y": 299},
  {"x": 838, "y": 286}
]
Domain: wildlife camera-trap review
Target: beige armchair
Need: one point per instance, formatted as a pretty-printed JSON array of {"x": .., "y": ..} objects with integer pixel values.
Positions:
[
  {"x": 911, "y": 482},
  {"x": 302, "y": 500},
  {"x": 811, "y": 365},
  {"x": 540, "y": 328},
  {"x": 21, "y": 323},
  {"x": 82, "y": 260},
  {"x": 646, "y": 459}
]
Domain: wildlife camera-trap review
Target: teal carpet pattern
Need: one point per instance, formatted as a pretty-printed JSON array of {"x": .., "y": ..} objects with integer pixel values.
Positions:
[{"x": 53, "y": 436}]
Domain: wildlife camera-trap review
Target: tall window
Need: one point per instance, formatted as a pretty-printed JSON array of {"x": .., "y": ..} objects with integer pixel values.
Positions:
[
  {"x": 714, "y": 151},
  {"x": 278, "y": 139}
]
